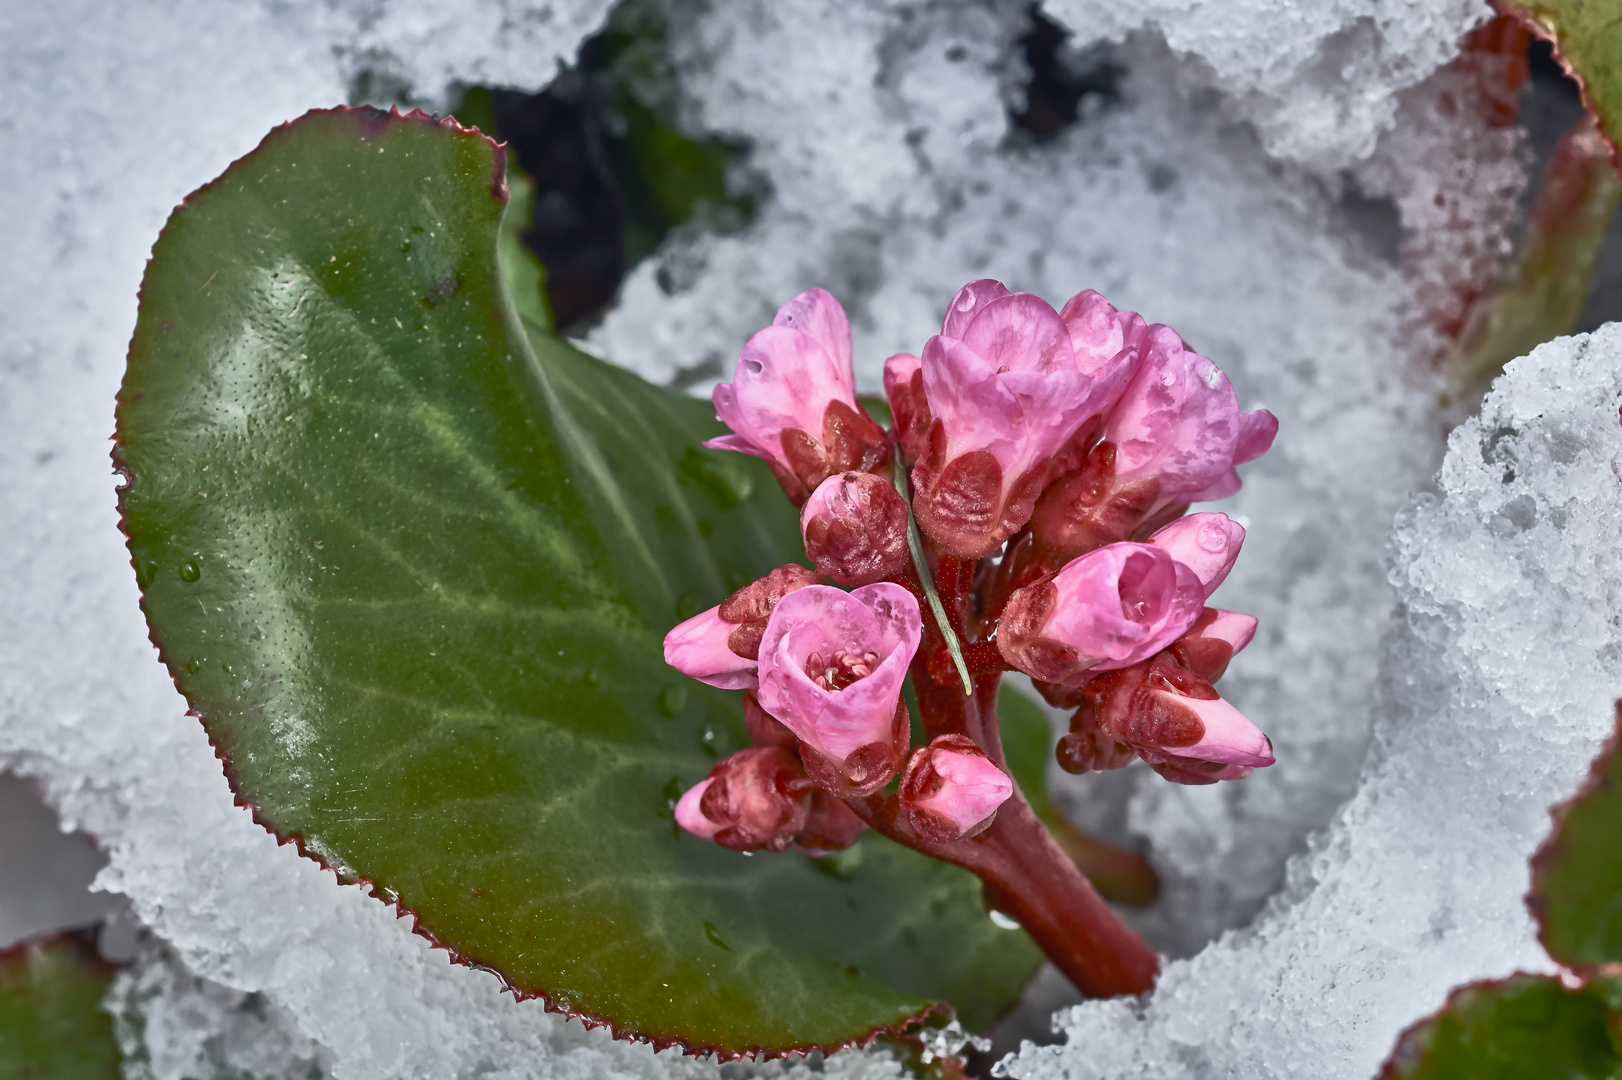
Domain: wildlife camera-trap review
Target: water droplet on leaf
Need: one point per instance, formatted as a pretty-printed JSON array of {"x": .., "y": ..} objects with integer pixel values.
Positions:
[
  {"x": 1007, "y": 922},
  {"x": 194, "y": 665},
  {"x": 190, "y": 571},
  {"x": 673, "y": 699},
  {"x": 715, "y": 936}
]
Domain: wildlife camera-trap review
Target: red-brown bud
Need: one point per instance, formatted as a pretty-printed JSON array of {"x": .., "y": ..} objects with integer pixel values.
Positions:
[
  {"x": 756, "y": 799},
  {"x": 855, "y": 528}
]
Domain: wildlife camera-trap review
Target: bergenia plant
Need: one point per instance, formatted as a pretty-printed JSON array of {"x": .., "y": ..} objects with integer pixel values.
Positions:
[{"x": 1023, "y": 513}]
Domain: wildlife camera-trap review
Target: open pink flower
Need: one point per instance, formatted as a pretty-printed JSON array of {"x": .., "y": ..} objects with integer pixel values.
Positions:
[
  {"x": 831, "y": 668},
  {"x": 1207, "y": 544},
  {"x": 756, "y": 799},
  {"x": 951, "y": 790},
  {"x": 720, "y": 646},
  {"x": 792, "y": 399},
  {"x": 1168, "y": 715},
  {"x": 1004, "y": 396},
  {"x": 1172, "y": 438},
  {"x": 855, "y": 529},
  {"x": 1108, "y": 609}
]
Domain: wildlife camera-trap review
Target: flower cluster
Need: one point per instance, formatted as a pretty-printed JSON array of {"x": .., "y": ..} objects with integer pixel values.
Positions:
[{"x": 1035, "y": 481}]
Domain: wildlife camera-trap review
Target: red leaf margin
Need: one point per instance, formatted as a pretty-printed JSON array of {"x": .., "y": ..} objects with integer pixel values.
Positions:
[{"x": 372, "y": 122}]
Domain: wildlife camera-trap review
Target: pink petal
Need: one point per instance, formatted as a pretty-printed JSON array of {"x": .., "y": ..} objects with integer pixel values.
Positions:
[
  {"x": 1207, "y": 543},
  {"x": 1229, "y": 737},
  {"x": 784, "y": 379},
  {"x": 1123, "y": 603},
  {"x": 1230, "y": 626},
  {"x": 898, "y": 371},
  {"x": 818, "y": 314},
  {"x": 1019, "y": 332},
  {"x": 968, "y": 301},
  {"x": 690, "y": 817},
  {"x": 1257, "y": 430},
  {"x": 1178, "y": 420},
  {"x": 1229, "y": 484},
  {"x": 698, "y": 647},
  {"x": 1098, "y": 332},
  {"x": 972, "y": 788}
]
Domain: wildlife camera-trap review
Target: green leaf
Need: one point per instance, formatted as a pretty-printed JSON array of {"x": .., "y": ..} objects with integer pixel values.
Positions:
[
  {"x": 1576, "y": 894},
  {"x": 1587, "y": 35},
  {"x": 1027, "y": 743},
  {"x": 51, "y": 1023},
  {"x": 1526, "y": 1027},
  {"x": 412, "y": 564}
]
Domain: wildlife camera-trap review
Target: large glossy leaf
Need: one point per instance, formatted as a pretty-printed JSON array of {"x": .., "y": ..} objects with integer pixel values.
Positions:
[
  {"x": 1576, "y": 892},
  {"x": 412, "y": 566},
  {"x": 51, "y": 1023},
  {"x": 1526, "y": 1027}
]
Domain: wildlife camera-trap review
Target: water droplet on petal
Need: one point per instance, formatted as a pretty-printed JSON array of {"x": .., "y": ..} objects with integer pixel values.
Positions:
[{"x": 1212, "y": 537}]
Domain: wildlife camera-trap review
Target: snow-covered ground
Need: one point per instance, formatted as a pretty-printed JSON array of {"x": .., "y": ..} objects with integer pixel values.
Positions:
[{"x": 1322, "y": 904}]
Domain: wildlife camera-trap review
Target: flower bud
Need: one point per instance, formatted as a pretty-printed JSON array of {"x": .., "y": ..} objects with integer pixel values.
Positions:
[
  {"x": 1170, "y": 717},
  {"x": 792, "y": 400},
  {"x": 1004, "y": 396},
  {"x": 831, "y": 826},
  {"x": 855, "y": 528},
  {"x": 831, "y": 668},
  {"x": 1109, "y": 609},
  {"x": 1207, "y": 544},
  {"x": 951, "y": 790},
  {"x": 756, "y": 799},
  {"x": 909, "y": 408},
  {"x": 720, "y": 646},
  {"x": 1212, "y": 642}
]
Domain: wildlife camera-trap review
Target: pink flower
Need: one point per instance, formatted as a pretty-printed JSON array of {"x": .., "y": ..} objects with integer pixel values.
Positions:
[
  {"x": 720, "y": 646},
  {"x": 792, "y": 400},
  {"x": 951, "y": 790},
  {"x": 1004, "y": 396},
  {"x": 855, "y": 529},
  {"x": 756, "y": 799},
  {"x": 1108, "y": 609},
  {"x": 1168, "y": 715},
  {"x": 1207, "y": 544},
  {"x": 831, "y": 668},
  {"x": 1172, "y": 438}
]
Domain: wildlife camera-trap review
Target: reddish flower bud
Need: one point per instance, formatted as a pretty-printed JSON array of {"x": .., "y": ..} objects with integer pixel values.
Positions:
[
  {"x": 792, "y": 400},
  {"x": 720, "y": 646},
  {"x": 1108, "y": 609},
  {"x": 951, "y": 790},
  {"x": 909, "y": 407},
  {"x": 1004, "y": 395},
  {"x": 756, "y": 799},
  {"x": 831, "y": 668},
  {"x": 831, "y": 826},
  {"x": 1170, "y": 717},
  {"x": 855, "y": 528},
  {"x": 1212, "y": 642}
]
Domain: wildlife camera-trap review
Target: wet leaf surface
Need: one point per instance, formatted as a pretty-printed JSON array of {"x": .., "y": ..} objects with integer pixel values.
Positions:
[
  {"x": 51, "y": 1024},
  {"x": 1526, "y": 1027},
  {"x": 1576, "y": 892},
  {"x": 412, "y": 561}
]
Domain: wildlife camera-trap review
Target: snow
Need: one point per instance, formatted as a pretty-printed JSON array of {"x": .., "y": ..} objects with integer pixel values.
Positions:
[{"x": 1209, "y": 197}]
